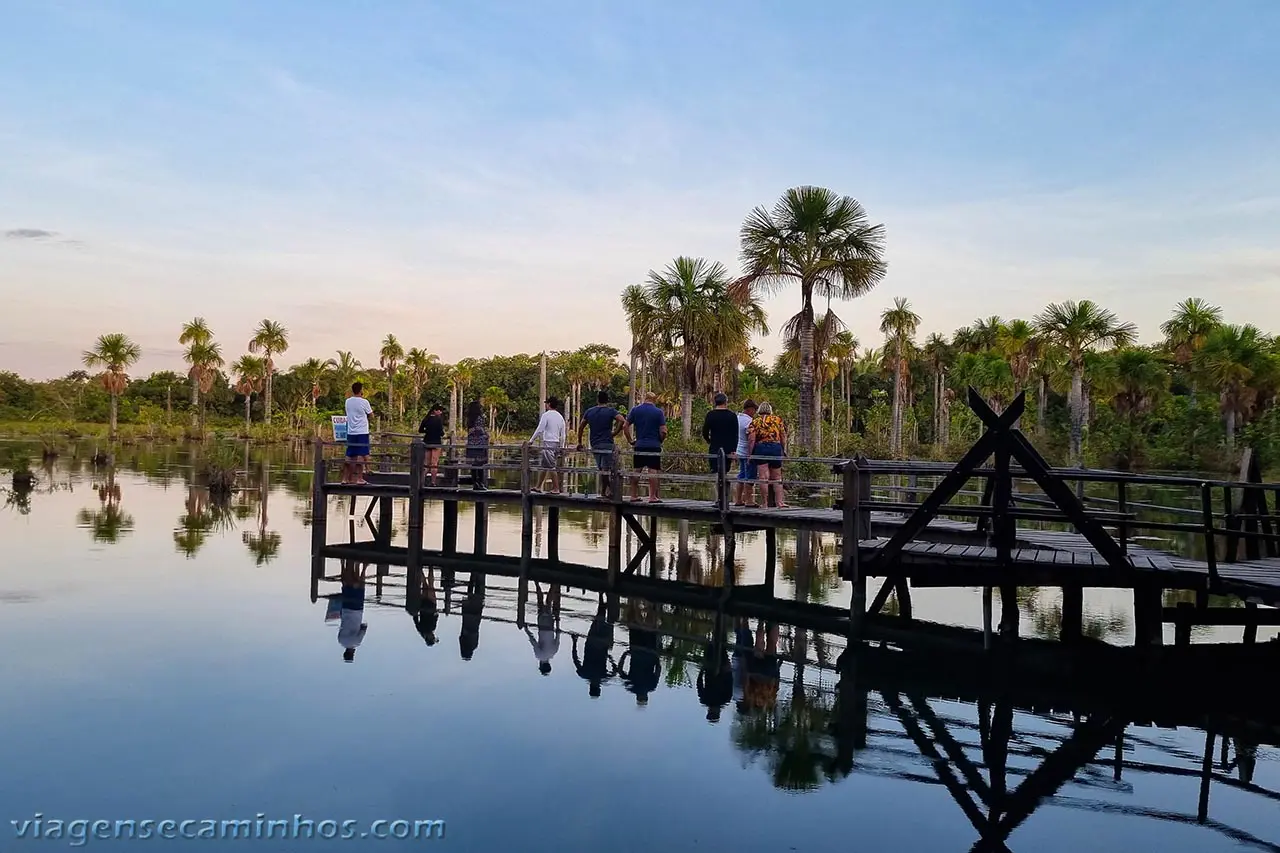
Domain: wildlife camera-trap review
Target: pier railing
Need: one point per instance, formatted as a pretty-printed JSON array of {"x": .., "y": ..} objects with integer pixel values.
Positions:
[{"x": 1214, "y": 520}]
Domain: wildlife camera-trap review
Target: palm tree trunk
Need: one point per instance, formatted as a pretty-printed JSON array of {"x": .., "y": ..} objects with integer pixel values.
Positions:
[
  {"x": 805, "y": 426},
  {"x": 266, "y": 405},
  {"x": 1042, "y": 406},
  {"x": 248, "y": 403},
  {"x": 115, "y": 408},
  {"x": 686, "y": 411},
  {"x": 817, "y": 418},
  {"x": 1230, "y": 422},
  {"x": 631, "y": 382},
  {"x": 1077, "y": 413}
]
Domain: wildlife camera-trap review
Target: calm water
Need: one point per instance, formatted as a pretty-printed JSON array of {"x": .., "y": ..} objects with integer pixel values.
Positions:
[{"x": 165, "y": 660}]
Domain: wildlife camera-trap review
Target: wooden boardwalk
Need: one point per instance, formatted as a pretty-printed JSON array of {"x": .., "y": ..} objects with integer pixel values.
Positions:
[{"x": 936, "y": 542}]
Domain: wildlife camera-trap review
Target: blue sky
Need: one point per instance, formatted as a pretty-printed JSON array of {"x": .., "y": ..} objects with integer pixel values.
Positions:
[{"x": 479, "y": 177}]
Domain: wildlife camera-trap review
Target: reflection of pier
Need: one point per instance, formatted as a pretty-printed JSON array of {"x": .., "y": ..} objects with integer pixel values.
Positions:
[
  {"x": 1003, "y": 741},
  {"x": 991, "y": 538}
]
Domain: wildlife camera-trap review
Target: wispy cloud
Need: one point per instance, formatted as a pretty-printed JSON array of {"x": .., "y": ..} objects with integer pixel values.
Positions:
[{"x": 29, "y": 234}]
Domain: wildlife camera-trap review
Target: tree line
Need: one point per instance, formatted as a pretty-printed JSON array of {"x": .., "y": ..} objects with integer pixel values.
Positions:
[{"x": 1095, "y": 395}]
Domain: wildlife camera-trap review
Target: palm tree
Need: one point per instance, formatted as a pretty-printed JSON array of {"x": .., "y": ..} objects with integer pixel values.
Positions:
[
  {"x": 205, "y": 359},
  {"x": 824, "y": 242},
  {"x": 314, "y": 374},
  {"x": 827, "y": 328},
  {"x": 899, "y": 325},
  {"x": 343, "y": 371},
  {"x": 843, "y": 351},
  {"x": 421, "y": 364},
  {"x": 494, "y": 398},
  {"x": 115, "y": 354},
  {"x": 269, "y": 338},
  {"x": 389, "y": 358},
  {"x": 250, "y": 372},
  {"x": 645, "y": 334},
  {"x": 1077, "y": 327},
  {"x": 194, "y": 332},
  {"x": 937, "y": 354},
  {"x": 1236, "y": 360},
  {"x": 693, "y": 305},
  {"x": 1187, "y": 330},
  {"x": 460, "y": 376}
]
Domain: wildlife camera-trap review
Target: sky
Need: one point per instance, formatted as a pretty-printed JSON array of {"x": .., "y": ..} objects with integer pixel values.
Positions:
[{"x": 486, "y": 177}]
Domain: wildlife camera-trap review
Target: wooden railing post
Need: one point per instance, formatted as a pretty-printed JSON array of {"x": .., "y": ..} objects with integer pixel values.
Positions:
[
  {"x": 526, "y": 512},
  {"x": 1232, "y": 525},
  {"x": 851, "y": 536},
  {"x": 1210, "y": 542},
  {"x": 722, "y": 484},
  {"x": 1122, "y": 506},
  {"x": 319, "y": 510}
]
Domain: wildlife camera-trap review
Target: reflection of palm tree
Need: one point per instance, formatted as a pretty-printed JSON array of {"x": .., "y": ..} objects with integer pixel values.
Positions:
[
  {"x": 263, "y": 544},
  {"x": 107, "y": 524},
  {"x": 202, "y": 517}
]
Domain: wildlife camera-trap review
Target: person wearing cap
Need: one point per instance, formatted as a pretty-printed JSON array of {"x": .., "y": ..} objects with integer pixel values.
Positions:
[
  {"x": 720, "y": 432},
  {"x": 551, "y": 432}
]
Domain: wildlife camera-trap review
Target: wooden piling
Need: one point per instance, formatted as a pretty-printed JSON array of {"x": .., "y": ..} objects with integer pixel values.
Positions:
[
  {"x": 553, "y": 533},
  {"x": 319, "y": 510},
  {"x": 449, "y": 528},
  {"x": 770, "y": 558},
  {"x": 1072, "y": 614},
  {"x": 850, "y": 539},
  {"x": 526, "y": 512},
  {"x": 480, "y": 538},
  {"x": 413, "y": 574},
  {"x": 986, "y": 617},
  {"x": 1009, "y": 615}
]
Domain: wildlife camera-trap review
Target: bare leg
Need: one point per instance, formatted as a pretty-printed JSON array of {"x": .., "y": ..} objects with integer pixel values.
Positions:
[
  {"x": 635, "y": 485},
  {"x": 779, "y": 496},
  {"x": 655, "y": 487}
]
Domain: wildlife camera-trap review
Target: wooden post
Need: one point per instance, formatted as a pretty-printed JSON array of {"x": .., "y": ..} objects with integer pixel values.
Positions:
[
  {"x": 1009, "y": 616},
  {"x": 526, "y": 512},
  {"x": 730, "y": 553},
  {"x": 319, "y": 510},
  {"x": 986, "y": 617},
  {"x": 449, "y": 529},
  {"x": 615, "y": 543},
  {"x": 1251, "y": 623},
  {"x": 770, "y": 558},
  {"x": 850, "y": 540},
  {"x": 553, "y": 533},
  {"x": 1210, "y": 543},
  {"x": 1072, "y": 614},
  {"x": 722, "y": 486},
  {"x": 1206, "y": 776},
  {"x": 1148, "y": 614},
  {"x": 384, "y": 521},
  {"x": 653, "y": 546},
  {"x": 1003, "y": 528},
  {"x": 1122, "y": 506},
  {"x": 413, "y": 579},
  {"x": 480, "y": 538},
  {"x": 1182, "y": 624}
]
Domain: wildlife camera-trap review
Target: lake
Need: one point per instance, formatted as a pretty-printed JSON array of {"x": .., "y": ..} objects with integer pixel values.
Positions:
[{"x": 166, "y": 661}]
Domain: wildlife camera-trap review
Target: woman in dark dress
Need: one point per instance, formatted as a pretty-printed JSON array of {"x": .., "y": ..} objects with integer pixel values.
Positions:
[
  {"x": 432, "y": 429},
  {"x": 477, "y": 444}
]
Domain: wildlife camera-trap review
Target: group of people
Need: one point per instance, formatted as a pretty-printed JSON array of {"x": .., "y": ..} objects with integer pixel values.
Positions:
[{"x": 755, "y": 438}]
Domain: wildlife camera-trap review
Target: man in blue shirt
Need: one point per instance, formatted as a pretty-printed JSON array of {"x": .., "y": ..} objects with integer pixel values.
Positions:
[
  {"x": 605, "y": 422},
  {"x": 650, "y": 430}
]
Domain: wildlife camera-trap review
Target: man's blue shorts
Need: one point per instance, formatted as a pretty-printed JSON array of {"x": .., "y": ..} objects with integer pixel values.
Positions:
[
  {"x": 746, "y": 469},
  {"x": 357, "y": 445}
]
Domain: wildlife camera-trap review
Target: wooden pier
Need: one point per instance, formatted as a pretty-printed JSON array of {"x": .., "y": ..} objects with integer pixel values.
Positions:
[{"x": 900, "y": 533}]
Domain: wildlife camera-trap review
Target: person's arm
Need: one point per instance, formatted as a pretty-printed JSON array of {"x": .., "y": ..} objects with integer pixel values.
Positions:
[
  {"x": 542, "y": 428},
  {"x": 782, "y": 435},
  {"x": 626, "y": 429},
  {"x": 662, "y": 425},
  {"x": 619, "y": 424},
  {"x": 706, "y": 427},
  {"x": 581, "y": 429},
  {"x": 751, "y": 439}
]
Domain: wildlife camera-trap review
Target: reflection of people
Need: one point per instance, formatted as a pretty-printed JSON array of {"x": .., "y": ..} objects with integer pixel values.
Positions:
[
  {"x": 547, "y": 643},
  {"x": 715, "y": 680},
  {"x": 1246, "y": 760},
  {"x": 594, "y": 666},
  {"x": 351, "y": 626},
  {"x": 641, "y": 678},
  {"x": 472, "y": 611},
  {"x": 428, "y": 615},
  {"x": 763, "y": 669}
]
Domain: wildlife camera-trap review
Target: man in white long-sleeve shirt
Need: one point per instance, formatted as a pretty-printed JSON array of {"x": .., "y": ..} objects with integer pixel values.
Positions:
[{"x": 551, "y": 432}]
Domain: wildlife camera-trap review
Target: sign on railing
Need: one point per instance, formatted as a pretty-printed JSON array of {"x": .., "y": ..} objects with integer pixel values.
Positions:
[{"x": 339, "y": 428}]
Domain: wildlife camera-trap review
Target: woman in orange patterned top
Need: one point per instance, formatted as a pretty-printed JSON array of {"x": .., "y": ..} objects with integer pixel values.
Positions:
[{"x": 766, "y": 444}]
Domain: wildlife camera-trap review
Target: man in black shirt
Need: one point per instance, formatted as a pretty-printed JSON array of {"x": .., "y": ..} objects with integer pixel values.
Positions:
[{"x": 720, "y": 432}]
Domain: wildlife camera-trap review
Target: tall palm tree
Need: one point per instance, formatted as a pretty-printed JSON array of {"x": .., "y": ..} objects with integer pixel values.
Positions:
[
  {"x": 1018, "y": 343},
  {"x": 937, "y": 354},
  {"x": 1236, "y": 360},
  {"x": 421, "y": 364},
  {"x": 1078, "y": 327},
  {"x": 692, "y": 300},
  {"x": 194, "y": 332},
  {"x": 250, "y": 372},
  {"x": 271, "y": 339},
  {"x": 642, "y": 322},
  {"x": 389, "y": 358},
  {"x": 824, "y": 242},
  {"x": 115, "y": 354},
  {"x": 460, "y": 376},
  {"x": 206, "y": 360},
  {"x": 827, "y": 328},
  {"x": 899, "y": 325},
  {"x": 343, "y": 371},
  {"x": 1186, "y": 331},
  {"x": 1139, "y": 379},
  {"x": 843, "y": 351}
]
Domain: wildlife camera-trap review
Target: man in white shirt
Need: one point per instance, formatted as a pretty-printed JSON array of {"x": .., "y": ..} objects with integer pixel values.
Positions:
[
  {"x": 358, "y": 412},
  {"x": 551, "y": 432}
]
